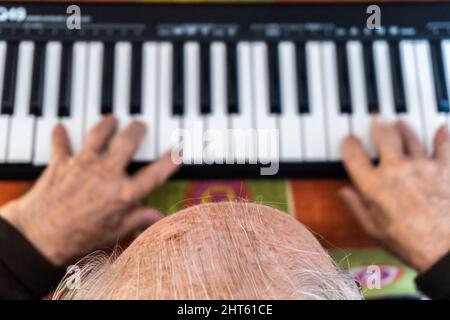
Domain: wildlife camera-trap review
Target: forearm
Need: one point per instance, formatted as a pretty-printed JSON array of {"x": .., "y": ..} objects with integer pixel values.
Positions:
[
  {"x": 435, "y": 282},
  {"x": 24, "y": 272}
]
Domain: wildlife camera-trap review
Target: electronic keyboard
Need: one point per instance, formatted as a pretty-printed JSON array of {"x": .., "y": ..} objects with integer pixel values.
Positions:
[{"x": 285, "y": 83}]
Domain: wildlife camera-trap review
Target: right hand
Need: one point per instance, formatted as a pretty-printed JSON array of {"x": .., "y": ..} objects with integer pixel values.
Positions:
[{"x": 404, "y": 202}]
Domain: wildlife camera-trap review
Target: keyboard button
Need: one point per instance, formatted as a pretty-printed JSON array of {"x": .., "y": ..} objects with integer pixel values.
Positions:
[
  {"x": 49, "y": 117},
  {"x": 290, "y": 124}
]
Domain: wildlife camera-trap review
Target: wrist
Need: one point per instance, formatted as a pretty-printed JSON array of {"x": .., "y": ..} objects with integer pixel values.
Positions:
[{"x": 14, "y": 214}]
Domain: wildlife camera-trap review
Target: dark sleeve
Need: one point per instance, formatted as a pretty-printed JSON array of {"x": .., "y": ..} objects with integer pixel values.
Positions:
[
  {"x": 24, "y": 272},
  {"x": 435, "y": 282}
]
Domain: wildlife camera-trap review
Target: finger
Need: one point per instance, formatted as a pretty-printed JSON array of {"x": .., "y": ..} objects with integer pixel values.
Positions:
[
  {"x": 442, "y": 144},
  {"x": 150, "y": 177},
  {"x": 124, "y": 145},
  {"x": 355, "y": 204},
  {"x": 140, "y": 218},
  {"x": 388, "y": 141},
  {"x": 356, "y": 161},
  {"x": 61, "y": 148},
  {"x": 411, "y": 142},
  {"x": 99, "y": 136}
]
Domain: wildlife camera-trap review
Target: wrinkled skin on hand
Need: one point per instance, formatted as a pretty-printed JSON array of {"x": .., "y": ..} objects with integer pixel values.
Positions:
[
  {"x": 86, "y": 201},
  {"x": 404, "y": 202}
]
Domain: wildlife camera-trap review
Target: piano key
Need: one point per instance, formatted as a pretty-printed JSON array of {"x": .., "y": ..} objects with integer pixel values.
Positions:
[
  {"x": 232, "y": 80},
  {"x": 410, "y": 75},
  {"x": 10, "y": 79},
  {"x": 193, "y": 120},
  {"x": 337, "y": 123},
  {"x": 360, "y": 118},
  {"x": 65, "y": 84},
  {"x": 136, "y": 79},
  {"x": 37, "y": 89},
  {"x": 397, "y": 78},
  {"x": 289, "y": 121},
  {"x": 108, "y": 79},
  {"x": 74, "y": 123},
  {"x": 302, "y": 81},
  {"x": 343, "y": 79},
  {"x": 439, "y": 77},
  {"x": 150, "y": 78},
  {"x": 178, "y": 76},
  {"x": 445, "y": 48},
  {"x": 313, "y": 122},
  {"x": 205, "y": 61},
  {"x": 369, "y": 72},
  {"x": 274, "y": 79},
  {"x": 432, "y": 117},
  {"x": 384, "y": 80},
  {"x": 122, "y": 83},
  {"x": 266, "y": 122},
  {"x": 49, "y": 117},
  {"x": 94, "y": 84},
  {"x": 20, "y": 146},
  {"x": 4, "y": 119},
  {"x": 217, "y": 121},
  {"x": 243, "y": 140},
  {"x": 168, "y": 131}
]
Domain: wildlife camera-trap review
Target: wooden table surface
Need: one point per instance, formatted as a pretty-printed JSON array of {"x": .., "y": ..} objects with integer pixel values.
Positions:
[{"x": 317, "y": 205}]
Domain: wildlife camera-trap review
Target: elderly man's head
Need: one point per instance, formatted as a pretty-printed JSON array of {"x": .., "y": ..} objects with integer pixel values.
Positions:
[{"x": 217, "y": 251}]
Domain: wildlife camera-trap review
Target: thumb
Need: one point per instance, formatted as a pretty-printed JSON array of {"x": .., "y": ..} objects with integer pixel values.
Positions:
[
  {"x": 357, "y": 207},
  {"x": 139, "y": 218}
]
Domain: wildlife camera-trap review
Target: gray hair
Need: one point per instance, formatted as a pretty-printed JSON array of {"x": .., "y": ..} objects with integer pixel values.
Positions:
[{"x": 239, "y": 252}]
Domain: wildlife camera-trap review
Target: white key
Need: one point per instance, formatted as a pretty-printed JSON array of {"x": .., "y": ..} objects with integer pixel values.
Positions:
[
  {"x": 150, "y": 74},
  {"x": 361, "y": 119},
  {"x": 122, "y": 83},
  {"x": 445, "y": 47},
  {"x": 266, "y": 123},
  {"x": 4, "y": 119},
  {"x": 290, "y": 124},
  {"x": 432, "y": 118},
  {"x": 314, "y": 122},
  {"x": 243, "y": 138},
  {"x": 75, "y": 122},
  {"x": 20, "y": 147},
  {"x": 337, "y": 123},
  {"x": 410, "y": 78},
  {"x": 217, "y": 122},
  {"x": 168, "y": 130},
  {"x": 94, "y": 84},
  {"x": 49, "y": 118},
  {"x": 193, "y": 121},
  {"x": 384, "y": 80}
]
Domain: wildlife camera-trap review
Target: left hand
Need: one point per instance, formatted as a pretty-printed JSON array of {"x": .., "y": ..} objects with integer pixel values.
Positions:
[{"x": 86, "y": 201}]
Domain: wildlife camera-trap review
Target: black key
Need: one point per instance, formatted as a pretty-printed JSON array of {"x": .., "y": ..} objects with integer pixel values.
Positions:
[
  {"x": 232, "y": 81},
  {"x": 274, "y": 80},
  {"x": 205, "y": 79},
  {"x": 9, "y": 81},
  {"x": 136, "y": 80},
  {"x": 371, "y": 81},
  {"x": 302, "y": 79},
  {"x": 65, "y": 86},
  {"x": 343, "y": 79},
  {"x": 178, "y": 78},
  {"x": 439, "y": 78},
  {"x": 37, "y": 84},
  {"x": 397, "y": 79},
  {"x": 108, "y": 80}
]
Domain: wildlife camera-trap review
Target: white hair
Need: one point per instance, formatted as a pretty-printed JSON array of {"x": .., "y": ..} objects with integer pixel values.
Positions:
[{"x": 240, "y": 253}]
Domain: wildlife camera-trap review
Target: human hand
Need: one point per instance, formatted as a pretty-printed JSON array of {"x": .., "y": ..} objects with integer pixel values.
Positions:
[
  {"x": 86, "y": 201},
  {"x": 404, "y": 202}
]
